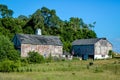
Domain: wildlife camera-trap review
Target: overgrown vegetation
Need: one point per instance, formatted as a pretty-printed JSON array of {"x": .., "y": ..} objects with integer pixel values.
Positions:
[
  {"x": 7, "y": 50},
  {"x": 64, "y": 70},
  {"x": 9, "y": 65},
  {"x": 9, "y": 57},
  {"x": 35, "y": 57},
  {"x": 111, "y": 54}
]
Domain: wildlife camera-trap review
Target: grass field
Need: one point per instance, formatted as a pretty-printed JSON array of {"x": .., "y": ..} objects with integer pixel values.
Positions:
[{"x": 67, "y": 70}]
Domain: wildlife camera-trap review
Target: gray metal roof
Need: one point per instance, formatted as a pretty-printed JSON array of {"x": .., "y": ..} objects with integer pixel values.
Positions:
[
  {"x": 86, "y": 41},
  {"x": 39, "y": 39}
]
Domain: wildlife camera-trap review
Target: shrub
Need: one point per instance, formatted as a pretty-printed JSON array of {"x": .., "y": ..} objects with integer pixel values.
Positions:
[
  {"x": 7, "y": 49},
  {"x": 9, "y": 66},
  {"x": 24, "y": 61},
  {"x": 111, "y": 53},
  {"x": 35, "y": 57}
]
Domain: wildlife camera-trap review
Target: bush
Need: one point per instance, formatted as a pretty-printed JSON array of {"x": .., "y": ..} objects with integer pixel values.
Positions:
[
  {"x": 7, "y": 49},
  {"x": 24, "y": 61},
  {"x": 9, "y": 66},
  {"x": 35, "y": 57},
  {"x": 111, "y": 53}
]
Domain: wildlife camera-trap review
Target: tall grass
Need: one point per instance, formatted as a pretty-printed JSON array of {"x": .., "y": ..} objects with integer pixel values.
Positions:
[{"x": 67, "y": 70}]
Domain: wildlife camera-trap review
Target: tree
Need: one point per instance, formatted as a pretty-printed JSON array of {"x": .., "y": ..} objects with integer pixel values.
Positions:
[
  {"x": 7, "y": 50},
  {"x": 91, "y": 26},
  {"x": 75, "y": 23},
  {"x": 5, "y": 12},
  {"x": 50, "y": 24},
  {"x": 10, "y": 26},
  {"x": 111, "y": 54},
  {"x": 23, "y": 17},
  {"x": 35, "y": 21}
]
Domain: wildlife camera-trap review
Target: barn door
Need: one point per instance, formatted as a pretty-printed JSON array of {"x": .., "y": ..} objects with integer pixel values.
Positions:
[{"x": 85, "y": 56}]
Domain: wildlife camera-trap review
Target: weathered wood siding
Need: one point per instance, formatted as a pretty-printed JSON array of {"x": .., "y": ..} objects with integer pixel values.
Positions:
[
  {"x": 44, "y": 50},
  {"x": 102, "y": 48},
  {"x": 80, "y": 50}
]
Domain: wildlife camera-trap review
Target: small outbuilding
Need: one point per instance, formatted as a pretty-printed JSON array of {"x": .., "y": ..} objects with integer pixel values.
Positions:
[
  {"x": 97, "y": 48},
  {"x": 45, "y": 45}
]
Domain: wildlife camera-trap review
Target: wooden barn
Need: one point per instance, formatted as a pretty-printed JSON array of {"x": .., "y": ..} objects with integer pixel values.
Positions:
[
  {"x": 45, "y": 45},
  {"x": 97, "y": 48}
]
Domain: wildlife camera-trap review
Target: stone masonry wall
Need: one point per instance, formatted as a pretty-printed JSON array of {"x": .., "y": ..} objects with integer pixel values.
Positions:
[{"x": 44, "y": 50}]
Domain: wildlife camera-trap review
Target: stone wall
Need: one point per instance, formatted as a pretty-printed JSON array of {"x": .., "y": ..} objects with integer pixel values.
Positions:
[{"x": 44, "y": 50}]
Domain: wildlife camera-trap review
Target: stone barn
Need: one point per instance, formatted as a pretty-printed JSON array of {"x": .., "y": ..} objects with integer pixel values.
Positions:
[
  {"x": 97, "y": 48},
  {"x": 45, "y": 45}
]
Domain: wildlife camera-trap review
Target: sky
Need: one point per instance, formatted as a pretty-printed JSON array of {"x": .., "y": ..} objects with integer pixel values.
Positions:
[{"x": 106, "y": 13}]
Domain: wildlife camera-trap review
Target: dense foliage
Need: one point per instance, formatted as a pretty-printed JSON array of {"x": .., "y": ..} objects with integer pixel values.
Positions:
[
  {"x": 5, "y": 12},
  {"x": 9, "y": 57},
  {"x": 7, "y": 50},
  {"x": 9, "y": 66},
  {"x": 48, "y": 22},
  {"x": 35, "y": 57}
]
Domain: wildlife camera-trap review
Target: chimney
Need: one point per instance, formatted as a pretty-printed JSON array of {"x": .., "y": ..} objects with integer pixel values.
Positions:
[{"x": 38, "y": 32}]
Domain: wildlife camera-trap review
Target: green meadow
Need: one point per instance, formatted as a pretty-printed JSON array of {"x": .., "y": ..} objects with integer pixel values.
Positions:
[{"x": 67, "y": 70}]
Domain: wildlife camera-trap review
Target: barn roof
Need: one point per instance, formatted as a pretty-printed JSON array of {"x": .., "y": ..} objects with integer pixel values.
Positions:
[
  {"x": 39, "y": 39},
  {"x": 86, "y": 41}
]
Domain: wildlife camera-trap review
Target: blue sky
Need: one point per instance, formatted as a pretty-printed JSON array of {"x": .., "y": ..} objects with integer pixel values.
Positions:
[{"x": 106, "y": 13}]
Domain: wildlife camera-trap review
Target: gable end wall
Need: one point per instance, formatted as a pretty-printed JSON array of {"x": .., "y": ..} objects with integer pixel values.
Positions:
[{"x": 102, "y": 48}]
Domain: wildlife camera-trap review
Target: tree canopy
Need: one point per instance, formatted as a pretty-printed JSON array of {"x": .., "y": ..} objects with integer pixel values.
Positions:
[
  {"x": 5, "y": 12},
  {"x": 50, "y": 24}
]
